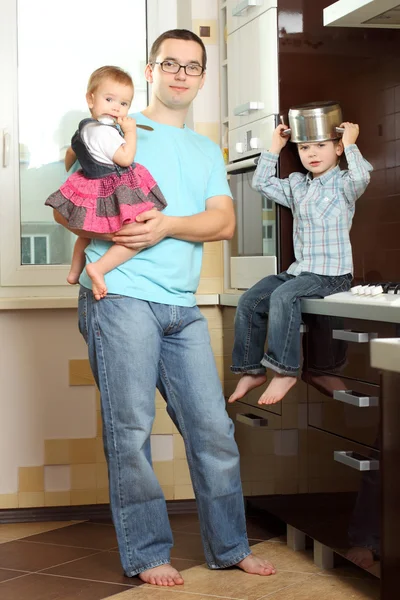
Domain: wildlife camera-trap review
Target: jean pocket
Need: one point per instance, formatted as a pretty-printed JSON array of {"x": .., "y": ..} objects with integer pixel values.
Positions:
[{"x": 82, "y": 315}]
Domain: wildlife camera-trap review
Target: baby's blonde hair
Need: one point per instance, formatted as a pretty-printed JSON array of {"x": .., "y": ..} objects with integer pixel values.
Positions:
[{"x": 108, "y": 72}]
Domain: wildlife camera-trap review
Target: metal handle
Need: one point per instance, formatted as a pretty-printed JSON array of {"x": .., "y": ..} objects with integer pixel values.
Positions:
[
  {"x": 251, "y": 420},
  {"x": 6, "y": 148},
  {"x": 355, "y": 398},
  {"x": 347, "y": 335},
  {"x": 244, "y": 109},
  {"x": 356, "y": 461},
  {"x": 241, "y": 7},
  {"x": 241, "y": 166},
  {"x": 339, "y": 129},
  {"x": 286, "y": 132}
]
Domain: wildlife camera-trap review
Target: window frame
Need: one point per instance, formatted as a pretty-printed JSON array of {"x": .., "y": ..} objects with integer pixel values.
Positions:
[{"x": 17, "y": 280}]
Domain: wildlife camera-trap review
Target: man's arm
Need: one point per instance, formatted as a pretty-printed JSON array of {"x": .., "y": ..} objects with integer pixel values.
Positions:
[
  {"x": 216, "y": 223},
  {"x": 80, "y": 232}
]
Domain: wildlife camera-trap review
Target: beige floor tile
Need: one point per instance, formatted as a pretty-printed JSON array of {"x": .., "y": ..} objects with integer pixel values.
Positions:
[
  {"x": 15, "y": 531},
  {"x": 146, "y": 593},
  {"x": 233, "y": 583},
  {"x": 332, "y": 588},
  {"x": 285, "y": 559}
]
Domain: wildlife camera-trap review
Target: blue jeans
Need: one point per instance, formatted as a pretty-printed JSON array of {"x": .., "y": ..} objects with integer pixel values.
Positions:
[
  {"x": 274, "y": 303},
  {"x": 134, "y": 347}
]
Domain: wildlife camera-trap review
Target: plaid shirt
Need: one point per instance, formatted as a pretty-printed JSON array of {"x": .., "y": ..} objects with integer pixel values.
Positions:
[{"x": 323, "y": 210}]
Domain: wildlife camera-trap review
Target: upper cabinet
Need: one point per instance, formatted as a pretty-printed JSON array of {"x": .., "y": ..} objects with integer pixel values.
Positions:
[
  {"x": 253, "y": 67},
  {"x": 240, "y": 12}
]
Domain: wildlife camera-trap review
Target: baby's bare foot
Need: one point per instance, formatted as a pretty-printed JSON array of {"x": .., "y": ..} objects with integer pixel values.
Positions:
[
  {"x": 363, "y": 557},
  {"x": 277, "y": 389},
  {"x": 99, "y": 287},
  {"x": 247, "y": 383},
  {"x": 73, "y": 277},
  {"x": 163, "y": 575},
  {"x": 256, "y": 566}
]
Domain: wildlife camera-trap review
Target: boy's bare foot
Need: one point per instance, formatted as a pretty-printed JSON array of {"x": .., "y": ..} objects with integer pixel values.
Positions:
[
  {"x": 73, "y": 277},
  {"x": 256, "y": 565},
  {"x": 326, "y": 384},
  {"x": 163, "y": 575},
  {"x": 247, "y": 383},
  {"x": 363, "y": 557},
  {"x": 277, "y": 389},
  {"x": 99, "y": 287}
]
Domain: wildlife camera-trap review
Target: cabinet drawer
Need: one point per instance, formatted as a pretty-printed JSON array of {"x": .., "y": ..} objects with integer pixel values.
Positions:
[
  {"x": 329, "y": 471},
  {"x": 341, "y": 346},
  {"x": 240, "y": 12},
  {"x": 253, "y": 71},
  {"x": 255, "y": 434},
  {"x": 352, "y": 413}
]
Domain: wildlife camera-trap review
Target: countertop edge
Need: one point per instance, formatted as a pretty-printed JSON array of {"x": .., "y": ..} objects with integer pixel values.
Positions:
[
  {"x": 32, "y": 303},
  {"x": 385, "y": 354},
  {"x": 386, "y": 314}
]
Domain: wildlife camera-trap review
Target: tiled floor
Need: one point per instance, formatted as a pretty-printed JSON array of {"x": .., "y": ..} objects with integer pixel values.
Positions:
[{"x": 79, "y": 560}]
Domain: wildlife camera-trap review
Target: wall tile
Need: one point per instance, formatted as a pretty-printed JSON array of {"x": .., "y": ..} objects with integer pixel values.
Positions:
[
  {"x": 8, "y": 500},
  {"x": 30, "y": 499},
  {"x": 31, "y": 479},
  {"x": 57, "y": 498},
  {"x": 183, "y": 492},
  {"x": 181, "y": 473},
  {"x": 80, "y": 373},
  {"x": 162, "y": 423},
  {"x": 83, "y": 451},
  {"x": 103, "y": 496},
  {"x": 179, "y": 447},
  {"x": 83, "y": 477},
  {"x": 56, "y": 452},
  {"x": 83, "y": 497},
  {"x": 162, "y": 447},
  {"x": 164, "y": 472},
  {"x": 57, "y": 478}
]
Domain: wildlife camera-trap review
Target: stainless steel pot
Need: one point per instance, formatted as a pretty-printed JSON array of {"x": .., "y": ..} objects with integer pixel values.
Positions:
[{"x": 315, "y": 122}]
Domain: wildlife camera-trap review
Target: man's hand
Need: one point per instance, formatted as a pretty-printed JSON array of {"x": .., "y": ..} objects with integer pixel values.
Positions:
[{"x": 150, "y": 228}]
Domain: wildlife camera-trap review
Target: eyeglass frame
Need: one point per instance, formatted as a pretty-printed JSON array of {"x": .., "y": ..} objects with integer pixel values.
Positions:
[{"x": 180, "y": 67}]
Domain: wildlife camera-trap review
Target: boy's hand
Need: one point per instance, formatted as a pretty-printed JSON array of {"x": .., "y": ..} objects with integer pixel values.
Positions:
[
  {"x": 127, "y": 124},
  {"x": 350, "y": 134},
  {"x": 279, "y": 140}
]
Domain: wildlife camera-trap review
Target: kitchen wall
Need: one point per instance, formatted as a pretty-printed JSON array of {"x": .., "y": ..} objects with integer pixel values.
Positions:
[{"x": 50, "y": 431}]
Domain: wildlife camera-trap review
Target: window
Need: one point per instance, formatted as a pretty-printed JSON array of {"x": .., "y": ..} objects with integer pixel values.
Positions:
[
  {"x": 44, "y": 103},
  {"x": 35, "y": 250}
]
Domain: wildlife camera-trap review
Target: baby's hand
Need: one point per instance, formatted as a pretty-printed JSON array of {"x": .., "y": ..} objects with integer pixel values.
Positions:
[
  {"x": 127, "y": 124},
  {"x": 350, "y": 135},
  {"x": 279, "y": 140}
]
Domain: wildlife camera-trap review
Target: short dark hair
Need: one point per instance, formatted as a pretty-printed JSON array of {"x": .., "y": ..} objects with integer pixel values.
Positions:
[{"x": 177, "y": 34}]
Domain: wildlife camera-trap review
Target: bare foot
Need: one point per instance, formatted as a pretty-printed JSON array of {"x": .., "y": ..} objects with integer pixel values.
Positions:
[
  {"x": 73, "y": 277},
  {"x": 163, "y": 575},
  {"x": 363, "y": 557},
  {"x": 247, "y": 383},
  {"x": 256, "y": 565},
  {"x": 99, "y": 287},
  {"x": 277, "y": 389},
  {"x": 326, "y": 384}
]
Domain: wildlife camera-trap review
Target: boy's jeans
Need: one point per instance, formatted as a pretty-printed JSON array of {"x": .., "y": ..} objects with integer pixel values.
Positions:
[
  {"x": 135, "y": 346},
  {"x": 274, "y": 302}
]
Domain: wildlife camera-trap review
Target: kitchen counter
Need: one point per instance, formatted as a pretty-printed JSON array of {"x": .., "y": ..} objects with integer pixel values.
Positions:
[
  {"x": 326, "y": 307},
  {"x": 385, "y": 354}
]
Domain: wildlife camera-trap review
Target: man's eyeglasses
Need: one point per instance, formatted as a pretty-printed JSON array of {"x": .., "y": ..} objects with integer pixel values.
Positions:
[{"x": 169, "y": 66}]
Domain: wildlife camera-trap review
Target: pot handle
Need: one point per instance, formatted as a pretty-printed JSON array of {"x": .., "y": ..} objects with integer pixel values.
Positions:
[
  {"x": 286, "y": 132},
  {"x": 339, "y": 129}
]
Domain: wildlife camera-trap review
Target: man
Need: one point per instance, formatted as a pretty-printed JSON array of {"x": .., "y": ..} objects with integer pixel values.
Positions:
[{"x": 148, "y": 333}]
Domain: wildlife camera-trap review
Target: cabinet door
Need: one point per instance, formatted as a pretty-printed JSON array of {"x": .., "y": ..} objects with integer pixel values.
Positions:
[
  {"x": 240, "y": 12},
  {"x": 255, "y": 434},
  {"x": 253, "y": 71},
  {"x": 352, "y": 413}
]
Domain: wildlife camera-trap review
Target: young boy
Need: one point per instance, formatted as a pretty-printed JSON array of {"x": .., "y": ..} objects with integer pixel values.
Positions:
[{"x": 323, "y": 204}]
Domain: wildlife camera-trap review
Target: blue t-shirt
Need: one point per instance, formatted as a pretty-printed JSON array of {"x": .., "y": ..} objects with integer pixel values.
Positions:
[{"x": 189, "y": 169}]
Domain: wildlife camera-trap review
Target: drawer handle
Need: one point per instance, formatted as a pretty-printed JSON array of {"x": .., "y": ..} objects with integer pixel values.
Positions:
[
  {"x": 355, "y": 398},
  {"x": 241, "y": 7},
  {"x": 244, "y": 109},
  {"x": 347, "y": 335},
  {"x": 6, "y": 148},
  {"x": 252, "y": 420},
  {"x": 356, "y": 461}
]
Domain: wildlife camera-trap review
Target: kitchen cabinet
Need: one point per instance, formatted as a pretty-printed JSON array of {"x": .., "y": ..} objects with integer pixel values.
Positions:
[
  {"x": 253, "y": 71},
  {"x": 240, "y": 12}
]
